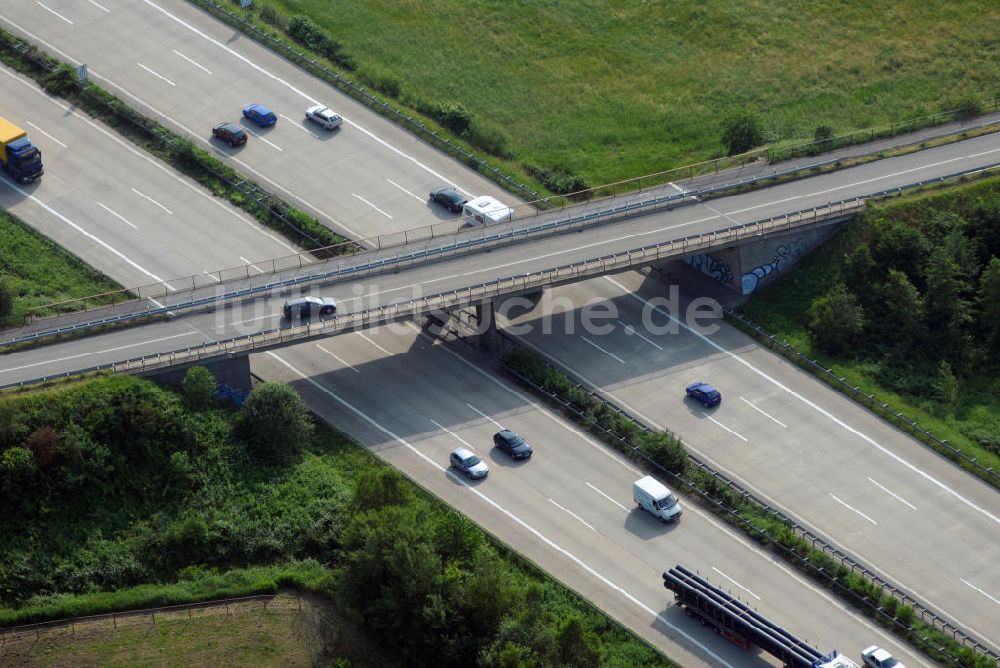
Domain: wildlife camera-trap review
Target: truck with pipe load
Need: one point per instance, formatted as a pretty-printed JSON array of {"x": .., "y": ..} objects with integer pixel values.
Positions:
[
  {"x": 20, "y": 158},
  {"x": 738, "y": 623}
]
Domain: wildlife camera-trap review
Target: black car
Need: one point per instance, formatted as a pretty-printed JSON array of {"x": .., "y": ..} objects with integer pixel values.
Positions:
[
  {"x": 230, "y": 133},
  {"x": 450, "y": 198},
  {"x": 512, "y": 444},
  {"x": 306, "y": 307}
]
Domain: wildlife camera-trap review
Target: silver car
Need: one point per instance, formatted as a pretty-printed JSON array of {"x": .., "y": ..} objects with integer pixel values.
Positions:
[
  {"x": 468, "y": 463},
  {"x": 325, "y": 116}
]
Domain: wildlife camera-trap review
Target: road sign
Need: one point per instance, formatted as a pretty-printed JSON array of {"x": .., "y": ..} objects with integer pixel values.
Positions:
[
  {"x": 81, "y": 72},
  {"x": 245, "y": 3}
]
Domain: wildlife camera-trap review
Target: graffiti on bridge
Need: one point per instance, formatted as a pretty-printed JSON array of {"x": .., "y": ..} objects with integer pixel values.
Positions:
[
  {"x": 711, "y": 267},
  {"x": 784, "y": 255}
]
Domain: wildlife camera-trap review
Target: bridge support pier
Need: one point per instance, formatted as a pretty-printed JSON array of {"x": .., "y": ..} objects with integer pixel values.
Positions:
[
  {"x": 233, "y": 371},
  {"x": 489, "y": 338}
]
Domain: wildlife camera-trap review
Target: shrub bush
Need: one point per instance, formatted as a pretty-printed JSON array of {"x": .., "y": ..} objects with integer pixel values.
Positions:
[
  {"x": 741, "y": 132},
  {"x": 274, "y": 421},
  {"x": 6, "y": 297},
  {"x": 199, "y": 388}
]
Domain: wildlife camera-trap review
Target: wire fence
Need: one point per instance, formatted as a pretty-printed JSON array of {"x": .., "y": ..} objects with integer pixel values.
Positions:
[
  {"x": 121, "y": 618},
  {"x": 870, "y": 401}
]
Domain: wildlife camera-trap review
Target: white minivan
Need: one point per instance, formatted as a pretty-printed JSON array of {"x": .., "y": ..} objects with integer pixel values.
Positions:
[{"x": 654, "y": 497}]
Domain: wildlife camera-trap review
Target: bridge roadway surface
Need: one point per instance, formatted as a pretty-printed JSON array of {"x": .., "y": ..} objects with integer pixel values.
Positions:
[
  {"x": 190, "y": 72},
  {"x": 225, "y": 240},
  {"x": 193, "y": 327},
  {"x": 569, "y": 509}
]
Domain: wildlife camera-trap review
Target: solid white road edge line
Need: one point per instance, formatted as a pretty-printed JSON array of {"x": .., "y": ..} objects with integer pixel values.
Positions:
[{"x": 511, "y": 516}]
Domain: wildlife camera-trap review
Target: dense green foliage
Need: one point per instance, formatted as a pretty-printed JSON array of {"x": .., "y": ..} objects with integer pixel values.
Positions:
[
  {"x": 609, "y": 92},
  {"x": 120, "y": 496},
  {"x": 904, "y": 302},
  {"x": 29, "y": 284}
]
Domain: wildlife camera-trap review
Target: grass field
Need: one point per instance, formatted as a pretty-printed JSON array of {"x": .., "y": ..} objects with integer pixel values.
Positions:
[
  {"x": 288, "y": 632},
  {"x": 39, "y": 272},
  {"x": 612, "y": 90}
]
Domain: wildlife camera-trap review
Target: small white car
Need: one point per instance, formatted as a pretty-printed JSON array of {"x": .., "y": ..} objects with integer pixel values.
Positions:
[
  {"x": 468, "y": 463},
  {"x": 876, "y": 657},
  {"x": 325, "y": 116}
]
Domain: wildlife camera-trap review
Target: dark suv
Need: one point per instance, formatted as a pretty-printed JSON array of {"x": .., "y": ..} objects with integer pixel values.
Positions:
[
  {"x": 306, "y": 307},
  {"x": 511, "y": 443},
  {"x": 230, "y": 133}
]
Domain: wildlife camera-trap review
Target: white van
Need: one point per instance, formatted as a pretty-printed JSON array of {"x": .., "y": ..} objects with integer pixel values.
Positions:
[
  {"x": 485, "y": 210},
  {"x": 653, "y": 496}
]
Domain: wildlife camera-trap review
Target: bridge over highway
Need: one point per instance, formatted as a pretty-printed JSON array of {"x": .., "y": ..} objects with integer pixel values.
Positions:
[{"x": 474, "y": 267}]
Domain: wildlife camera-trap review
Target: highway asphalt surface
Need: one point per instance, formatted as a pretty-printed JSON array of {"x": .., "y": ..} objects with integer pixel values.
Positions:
[
  {"x": 569, "y": 508},
  {"x": 115, "y": 206},
  {"x": 466, "y": 269},
  {"x": 191, "y": 72},
  {"x": 876, "y": 492},
  {"x": 635, "y": 567}
]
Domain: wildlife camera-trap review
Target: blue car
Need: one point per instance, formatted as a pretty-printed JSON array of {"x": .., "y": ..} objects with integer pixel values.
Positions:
[
  {"x": 259, "y": 114},
  {"x": 704, "y": 394}
]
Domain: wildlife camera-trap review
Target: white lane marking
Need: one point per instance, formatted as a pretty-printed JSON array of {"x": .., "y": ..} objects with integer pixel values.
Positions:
[
  {"x": 822, "y": 411},
  {"x": 249, "y": 263},
  {"x": 295, "y": 124},
  {"x": 334, "y": 356},
  {"x": 679, "y": 189},
  {"x": 156, "y": 74},
  {"x": 606, "y": 352},
  {"x": 153, "y": 201},
  {"x": 49, "y": 9},
  {"x": 243, "y": 322},
  {"x": 212, "y": 276},
  {"x": 526, "y": 400},
  {"x": 607, "y": 497},
  {"x": 264, "y": 139},
  {"x": 573, "y": 515},
  {"x": 200, "y": 192},
  {"x": 84, "y": 232},
  {"x": 892, "y": 494},
  {"x": 768, "y": 416},
  {"x": 96, "y": 352},
  {"x": 451, "y": 433},
  {"x": 980, "y": 591},
  {"x": 484, "y": 415},
  {"x": 46, "y": 134},
  {"x": 391, "y": 182},
  {"x": 101, "y": 7},
  {"x": 196, "y": 64},
  {"x": 372, "y": 206},
  {"x": 142, "y": 343},
  {"x": 116, "y": 215},
  {"x": 630, "y": 330},
  {"x": 853, "y": 508},
  {"x": 304, "y": 95},
  {"x": 510, "y": 515},
  {"x": 737, "y": 435},
  {"x": 593, "y": 386},
  {"x": 373, "y": 343},
  {"x": 735, "y": 583}
]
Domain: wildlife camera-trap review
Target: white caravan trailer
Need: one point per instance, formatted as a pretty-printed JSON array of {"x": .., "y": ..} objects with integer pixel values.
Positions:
[{"x": 485, "y": 210}]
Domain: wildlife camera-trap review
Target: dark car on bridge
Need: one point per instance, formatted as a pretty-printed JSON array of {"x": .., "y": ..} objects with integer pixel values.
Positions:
[
  {"x": 511, "y": 443},
  {"x": 704, "y": 394},
  {"x": 449, "y": 198},
  {"x": 305, "y": 308}
]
